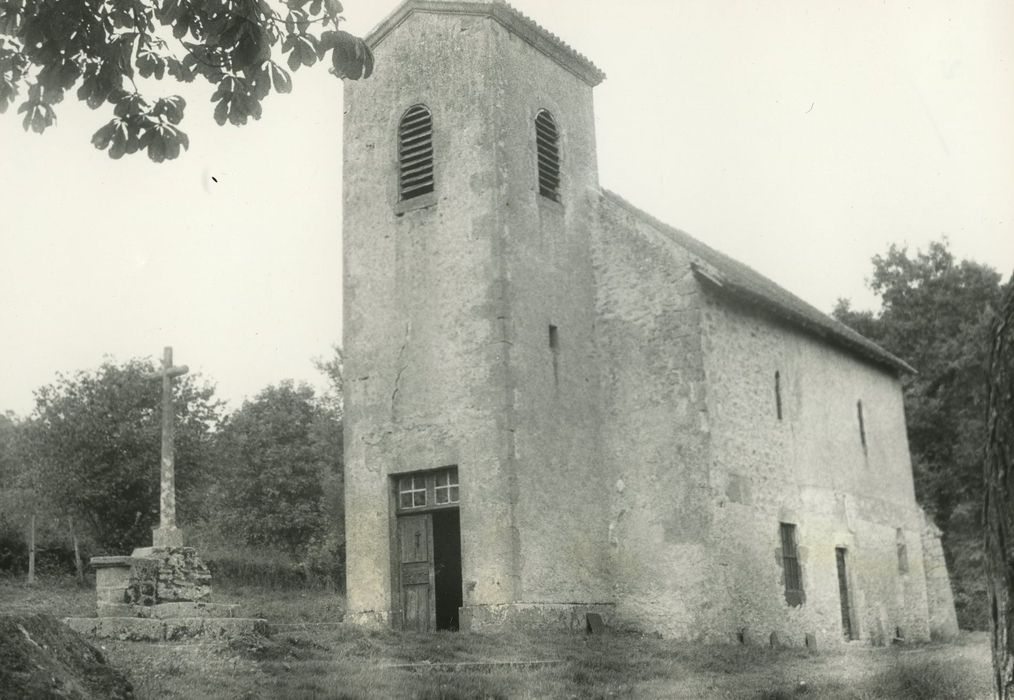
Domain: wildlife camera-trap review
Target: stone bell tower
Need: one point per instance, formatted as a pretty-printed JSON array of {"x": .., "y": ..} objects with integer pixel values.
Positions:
[{"x": 473, "y": 479}]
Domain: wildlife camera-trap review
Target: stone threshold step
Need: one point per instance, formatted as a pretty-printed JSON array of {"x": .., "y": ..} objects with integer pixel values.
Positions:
[
  {"x": 141, "y": 629},
  {"x": 166, "y": 611},
  {"x": 451, "y": 666}
]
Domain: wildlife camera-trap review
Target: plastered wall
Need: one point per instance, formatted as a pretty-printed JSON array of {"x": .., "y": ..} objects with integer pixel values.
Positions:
[
  {"x": 655, "y": 428},
  {"x": 425, "y": 342},
  {"x": 810, "y": 469},
  {"x": 562, "y": 480}
]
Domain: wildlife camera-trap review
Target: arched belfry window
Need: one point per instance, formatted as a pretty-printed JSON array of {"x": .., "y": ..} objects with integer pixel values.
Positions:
[
  {"x": 547, "y": 142},
  {"x": 415, "y": 153}
]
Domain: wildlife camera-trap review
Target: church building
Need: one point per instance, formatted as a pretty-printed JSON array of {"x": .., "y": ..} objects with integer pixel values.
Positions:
[{"x": 558, "y": 405}]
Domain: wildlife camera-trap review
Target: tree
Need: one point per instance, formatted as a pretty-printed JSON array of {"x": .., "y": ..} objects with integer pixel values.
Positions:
[
  {"x": 274, "y": 455},
  {"x": 8, "y": 458},
  {"x": 935, "y": 314},
  {"x": 999, "y": 503},
  {"x": 94, "y": 441},
  {"x": 112, "y": 49},
  {"x": 333, "y": 369}
]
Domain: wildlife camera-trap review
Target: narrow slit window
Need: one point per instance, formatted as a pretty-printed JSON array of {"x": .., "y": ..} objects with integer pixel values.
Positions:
[
  {"x": 415, "y": 153},
  {"x": 862, "y": 424},
  {"x": 547, "y": 142},
  {"x": 790, "y": 565},
  {"x": 902, "y": 552},
  {"x": 778, "y": 394},
  {"x": 554, "y": 347}
]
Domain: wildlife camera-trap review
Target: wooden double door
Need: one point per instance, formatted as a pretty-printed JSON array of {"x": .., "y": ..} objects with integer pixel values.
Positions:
[{"x": 429, "y": 569}]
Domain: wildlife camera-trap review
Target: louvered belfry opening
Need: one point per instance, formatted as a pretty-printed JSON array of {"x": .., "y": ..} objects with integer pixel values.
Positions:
[
  {"x": 547, "y": 141},
  {"x": 415, "y": 153}
]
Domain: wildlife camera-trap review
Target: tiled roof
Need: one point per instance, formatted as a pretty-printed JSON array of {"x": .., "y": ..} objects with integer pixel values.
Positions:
[
  {"x": 517, "y": 22},
  {"x": 722, "y": 274}
]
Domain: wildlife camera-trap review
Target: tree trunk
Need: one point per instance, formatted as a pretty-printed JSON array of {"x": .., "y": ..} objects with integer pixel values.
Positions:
[
  {"x": 999, "y": 503},
  {"x": 31, "y": 552},
  {"x": 78, "y": 567}
]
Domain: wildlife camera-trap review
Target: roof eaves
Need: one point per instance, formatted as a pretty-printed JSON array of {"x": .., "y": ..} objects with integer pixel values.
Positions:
[
  {"x": 520, "y": 24},
  {"x": 842, "y": 337},
  {"x": 713, "y": 268}
]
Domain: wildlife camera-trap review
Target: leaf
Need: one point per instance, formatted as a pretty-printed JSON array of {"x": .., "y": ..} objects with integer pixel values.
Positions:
[
  {"x": 280, "y": 80},
  {"x": 170, "y": 107},
  {"x": 294, "y": 61},
  {"x": 352, "y": 58},
  {"x": 156, "y": 148},
  {"x": 222, "y": 111},
  {"x": 333, "y": 8},
  {"x": 102, "y": 137},
  {"x": 8, "y": 91},
  {"x": 328, "y": 41}
]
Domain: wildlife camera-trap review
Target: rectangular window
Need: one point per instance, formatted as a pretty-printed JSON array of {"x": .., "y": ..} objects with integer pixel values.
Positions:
[
  {"x": 412, "y": 492},
  {"x": 428, "y": 490},
  {"x": 790, "y": 566},
  {"x": 446, "y": 486}
]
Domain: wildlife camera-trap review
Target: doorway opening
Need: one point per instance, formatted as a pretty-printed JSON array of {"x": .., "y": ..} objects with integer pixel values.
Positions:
[
  {"x": 848, "y": 629},
  {"x": 429, "y": 550},
  {"x": 447, "y": 567}
]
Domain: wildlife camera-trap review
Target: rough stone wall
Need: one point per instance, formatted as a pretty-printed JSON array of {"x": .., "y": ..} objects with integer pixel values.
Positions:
[
  {"x": 943, "y": 619},
  {"x": 809, "y": 469},
  {"x": 423, "y": 336},
  {"x": 655, "y": 427}
]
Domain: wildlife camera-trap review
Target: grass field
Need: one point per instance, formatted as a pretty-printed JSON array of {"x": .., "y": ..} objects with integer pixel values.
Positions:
[{"x": 312, "y": 655}]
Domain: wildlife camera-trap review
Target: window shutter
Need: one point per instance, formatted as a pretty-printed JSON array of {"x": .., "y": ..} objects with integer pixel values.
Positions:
[
  {"x": 547, "y": 142},
  {"x": 415, "y": 153},
  {"x": 790, "y": 566}
]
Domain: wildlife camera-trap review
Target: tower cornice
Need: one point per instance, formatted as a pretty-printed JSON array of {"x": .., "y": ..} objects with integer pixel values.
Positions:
[{"x": 514, "y": 21}]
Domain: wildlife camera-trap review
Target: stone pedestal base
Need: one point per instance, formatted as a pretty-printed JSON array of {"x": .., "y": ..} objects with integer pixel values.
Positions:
[
  {"x": 167, "y": 575},
  {"x": 112, "y": 577},
  {"x": 156, "y": 595}
]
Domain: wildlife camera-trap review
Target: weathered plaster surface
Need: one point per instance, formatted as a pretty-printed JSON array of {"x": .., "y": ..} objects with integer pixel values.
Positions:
[
  {"x": 655, "y": 428},
  {"x": 637, "y": 469},
  {"x": 425, "y": 337},
  {"x": 809, "y": 469}
]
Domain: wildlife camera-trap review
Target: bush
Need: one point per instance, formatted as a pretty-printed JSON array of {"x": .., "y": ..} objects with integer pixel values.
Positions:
[
  {"x": 13, "y": 548},
  {"x": 273, "y": 569}
]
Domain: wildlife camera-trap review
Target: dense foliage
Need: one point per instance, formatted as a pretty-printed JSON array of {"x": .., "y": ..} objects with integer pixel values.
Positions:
[
  {"x": 112, "y": 51},
  {"x": 273, "y": 457},
  {"x": 935, "y": 314},
  {"x": 92, "y": 447}
]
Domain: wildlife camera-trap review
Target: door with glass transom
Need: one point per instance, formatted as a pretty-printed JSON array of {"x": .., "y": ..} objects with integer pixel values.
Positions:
[{"x": 428, "y": 580}]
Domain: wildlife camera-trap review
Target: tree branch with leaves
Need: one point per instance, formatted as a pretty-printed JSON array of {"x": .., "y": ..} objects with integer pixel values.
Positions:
[{"x": 111, "y": 51}]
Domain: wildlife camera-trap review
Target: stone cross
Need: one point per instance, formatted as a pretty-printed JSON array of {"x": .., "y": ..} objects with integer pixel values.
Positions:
[{"x": 167, "y": 534}]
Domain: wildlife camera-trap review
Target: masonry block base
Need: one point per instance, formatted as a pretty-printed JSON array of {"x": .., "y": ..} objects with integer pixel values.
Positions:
[{"x": 559, "y": 616}]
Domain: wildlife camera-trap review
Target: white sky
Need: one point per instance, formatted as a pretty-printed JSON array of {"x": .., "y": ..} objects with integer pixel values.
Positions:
[{"x": 801, "y": 137}]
